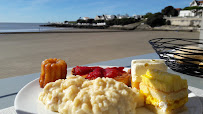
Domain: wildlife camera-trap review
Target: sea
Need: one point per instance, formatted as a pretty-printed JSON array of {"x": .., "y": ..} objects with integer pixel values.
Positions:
[{"x": 25, "y": 27}]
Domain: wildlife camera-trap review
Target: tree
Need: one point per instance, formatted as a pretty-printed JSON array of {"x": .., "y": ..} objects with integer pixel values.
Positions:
[
  {"x": 147, "y": 15},
  {"x": 90, "y": 21},
  {"x": 123, "y": 21},
  {"x": 156, "y": 20},
  {"x": 168, "y": 22},
  {"x": 193, "y": 7},
  {"x": 81, "y": 21},
  {"x": 65, "y": 21},
  {"x": 169, "y": 11},
  {"x": 99, "y": 21}
]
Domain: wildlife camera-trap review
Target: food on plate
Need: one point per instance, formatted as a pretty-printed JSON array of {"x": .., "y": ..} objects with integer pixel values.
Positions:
[
  {"x": 100, "y": 96},
  {"x": 125, "y": 78},
  {"x": 164, "y": 92},
  {"x": 189, "y": 54},
  {"x": 140, "y": 66},
  {"x": 52, "y": 70},
  {"x": 91, "y": 73},
  {"x": 96, "y": 89},
  {"x": 83, "y": 70}
]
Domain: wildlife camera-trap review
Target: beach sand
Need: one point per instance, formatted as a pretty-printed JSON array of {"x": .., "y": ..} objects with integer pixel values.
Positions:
[{"x": 22, "y": 54}]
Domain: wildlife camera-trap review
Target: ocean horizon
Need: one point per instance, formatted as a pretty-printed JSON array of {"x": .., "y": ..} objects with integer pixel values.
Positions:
[{"x": 25, "y": 27}]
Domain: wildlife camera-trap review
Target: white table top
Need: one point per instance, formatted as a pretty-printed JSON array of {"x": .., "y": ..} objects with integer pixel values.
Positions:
[{"x": 10, "y": 86}]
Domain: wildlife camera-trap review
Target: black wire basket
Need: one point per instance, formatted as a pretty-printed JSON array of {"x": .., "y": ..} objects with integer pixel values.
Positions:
[{"x": 181, "y": 55}]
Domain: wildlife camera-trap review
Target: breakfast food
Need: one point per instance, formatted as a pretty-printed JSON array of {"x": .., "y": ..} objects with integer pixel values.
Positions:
[
  {"x": 164, "y": 92},
  {"x": 52, "y": 70},
  {"x": 91, "y": 73},
  {"x": 91, "y": 90},
  {"x": 79, "y": 95},
  {"x": 140, "y": 66},
  {"x": 189, "y": 54}
]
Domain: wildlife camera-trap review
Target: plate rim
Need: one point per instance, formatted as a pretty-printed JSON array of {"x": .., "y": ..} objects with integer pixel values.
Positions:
[{"x": 20, "y": 92}]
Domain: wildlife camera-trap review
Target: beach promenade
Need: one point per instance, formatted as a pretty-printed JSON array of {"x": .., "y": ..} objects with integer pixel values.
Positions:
[{"x": 22, "y": 54}]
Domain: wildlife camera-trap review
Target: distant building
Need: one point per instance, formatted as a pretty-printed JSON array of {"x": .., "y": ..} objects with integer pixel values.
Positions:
[
  {"x": 196, "y": 3},
  {"x": 110, "y": 17},
  {"x": 85, "y": 18},
  {"x": 105, "y": 17},
  {"x": 101, "y": 24},
  {"x": 123, "y": 16},
  {"x": 194, "y": 12},
  {"x": 186, "y": 13},
  {"x": 137, "y": 16},
  {"x": 99, "y": 17}
]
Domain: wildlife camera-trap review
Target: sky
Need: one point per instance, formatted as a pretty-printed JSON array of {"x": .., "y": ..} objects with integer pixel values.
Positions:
[{"x": 42, "y": 11}]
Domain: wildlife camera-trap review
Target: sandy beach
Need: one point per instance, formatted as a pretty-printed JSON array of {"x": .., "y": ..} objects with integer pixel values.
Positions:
[{"x": 22, "y": 54}]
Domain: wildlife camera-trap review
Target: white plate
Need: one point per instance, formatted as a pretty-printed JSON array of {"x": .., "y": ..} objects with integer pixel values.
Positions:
[{"x": 26, "y": 101}]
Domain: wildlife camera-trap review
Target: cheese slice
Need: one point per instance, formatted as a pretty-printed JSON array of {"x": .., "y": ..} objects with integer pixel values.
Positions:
[
  {"x": 164, "y": 90},
  {"x": 163, "y": 81},
  {"x": 140, "y": 66}
]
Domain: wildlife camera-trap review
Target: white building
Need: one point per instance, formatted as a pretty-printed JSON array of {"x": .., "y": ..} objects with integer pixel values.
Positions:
[
  {"x": 137, "y": 16},
  {"x": 105, "y": 17},
  {"x": 122, "y": 16},
  {"x": 186, "y": 13},
  {"x": 99, "y": 17},
  {"x": 85, "y": 18},
  {"x": 101, "y": 24},
  {"x": 110, "y": 17},
  {"x": 194, "y": 12},
  {"x": 196, "y": 3}
]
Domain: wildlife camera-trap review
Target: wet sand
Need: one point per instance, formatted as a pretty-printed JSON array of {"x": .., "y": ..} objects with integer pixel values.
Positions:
[{"x": 22, "y": 54}]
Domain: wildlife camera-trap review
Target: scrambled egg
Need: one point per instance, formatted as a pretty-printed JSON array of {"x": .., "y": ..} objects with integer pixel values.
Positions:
[
  {"x": 78, "y": 95},
  {"x": 170, "y": 105}
]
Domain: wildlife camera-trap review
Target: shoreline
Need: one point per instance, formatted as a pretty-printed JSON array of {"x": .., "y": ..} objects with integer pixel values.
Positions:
[
  {"x": 161, "y": 29},
  {"x": 60, "y": 32},
  {"x": 65, "y": 30},
  {"x": 138, "y": 26}
]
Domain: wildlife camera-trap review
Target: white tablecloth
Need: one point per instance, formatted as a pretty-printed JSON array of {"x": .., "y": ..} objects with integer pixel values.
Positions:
[{"x": 196, "y": 91}]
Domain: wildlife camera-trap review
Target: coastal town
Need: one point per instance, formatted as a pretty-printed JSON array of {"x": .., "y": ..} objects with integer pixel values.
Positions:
[{"x": 170, "y": 18}]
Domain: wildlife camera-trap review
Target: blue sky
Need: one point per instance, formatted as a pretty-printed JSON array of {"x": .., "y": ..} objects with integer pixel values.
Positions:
[{"x": 61, "y": 10}]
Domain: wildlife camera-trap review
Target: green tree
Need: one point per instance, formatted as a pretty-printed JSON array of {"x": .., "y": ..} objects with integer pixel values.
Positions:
[
  {"x": 168, "y": 22},
  {"x": 156, "y": 20},
  {"x": 90, "y": 21},
  {"x": 169, "y": 11},
  {"x": 65, "y": 21},
  {"x": 99, "y": 21},
  {"x": 147, "y": 15},
  {"x": 123, "y": 21},
  {"x": 81, "y": 21},
  {"x": 192, "y": 8}
]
